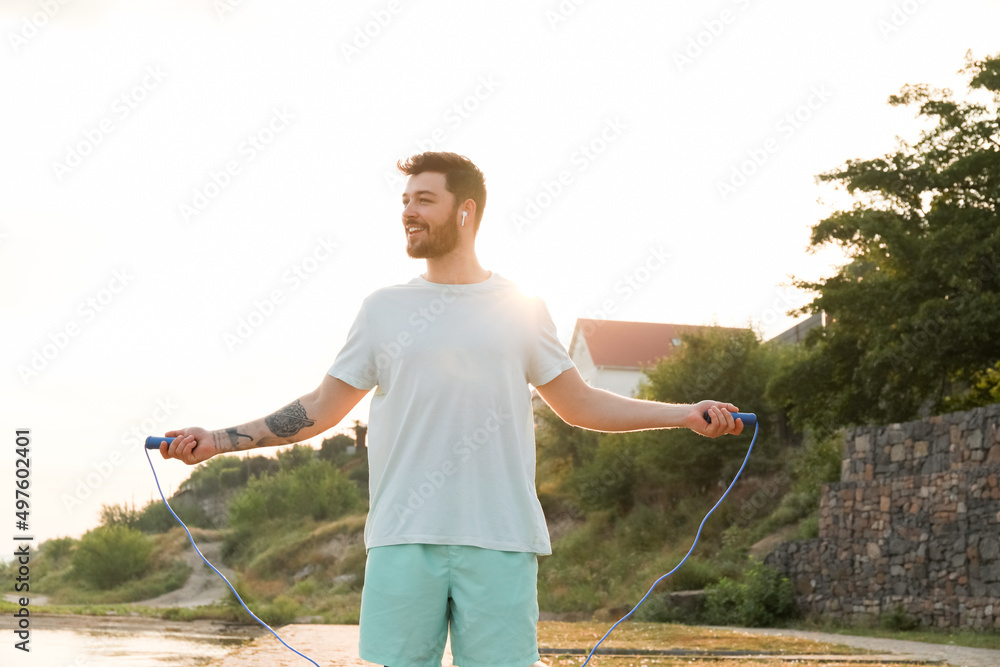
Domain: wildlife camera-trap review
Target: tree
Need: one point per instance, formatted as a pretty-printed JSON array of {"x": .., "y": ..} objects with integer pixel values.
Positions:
[
  {"x": 295, "y": 456},
  {"x": 913, "y": 316},
  {"x": 720, "y": 364},
  {"x": 332, "y": 448}
]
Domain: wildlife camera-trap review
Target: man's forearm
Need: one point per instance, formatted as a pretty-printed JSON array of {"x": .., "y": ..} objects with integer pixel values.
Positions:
[
  {"x": 288, "y": 425},
  {"x": 606, "y": 411}
]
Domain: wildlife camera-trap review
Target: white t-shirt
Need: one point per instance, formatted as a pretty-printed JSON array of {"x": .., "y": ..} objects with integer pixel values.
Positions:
[{"x": 451, "y": 443}]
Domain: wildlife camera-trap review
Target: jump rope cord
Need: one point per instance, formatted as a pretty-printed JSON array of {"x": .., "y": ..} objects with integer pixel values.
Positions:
[
  {"x": 697, "y": 535},
  {"x": 589, "y": 656},
  {"x": 216, "y": 570}
]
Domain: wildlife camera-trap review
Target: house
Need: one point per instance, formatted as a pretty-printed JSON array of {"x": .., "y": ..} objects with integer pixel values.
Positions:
[
  {"x": 797, "y": 332},
  {"x": 612, "y": 354}
]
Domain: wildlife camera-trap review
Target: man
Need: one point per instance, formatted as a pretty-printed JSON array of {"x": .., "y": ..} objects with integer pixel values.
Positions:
[{"x": 454, "y": 526}]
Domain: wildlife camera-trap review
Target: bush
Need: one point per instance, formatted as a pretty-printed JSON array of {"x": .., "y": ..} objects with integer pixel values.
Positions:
[
  {"x": 280, "y": 612},
  {"x": 898, "y": 620},
  {"x": 642, "y": 529},
  {"x": 724, "y": 602},
  {"x": 227, "y": 472},
  {"x": 694, "y": 575},
  {"x": 817, "y": 463},
  {"x": 763, "y": 598},
  {"x": 58, "y": 548},
  {"x": 295, "y": 456},
  {"x": 608, "y": 480},
  {"x": 119, "y": 515},
  {"x": 154, "y": 518},
  {"x": 332, "y": 448},
  {"x": 315, "y": 490},
  {"x": 808, "y": 528},
  {"x": 108, "y": 556}
]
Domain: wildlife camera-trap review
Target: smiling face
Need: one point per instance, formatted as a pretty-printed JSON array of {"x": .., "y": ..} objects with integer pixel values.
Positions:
[{"x": 430, "y": 216}]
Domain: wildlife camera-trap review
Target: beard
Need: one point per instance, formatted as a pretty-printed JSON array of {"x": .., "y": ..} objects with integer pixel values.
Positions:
[{"x": 435, "y": 242}]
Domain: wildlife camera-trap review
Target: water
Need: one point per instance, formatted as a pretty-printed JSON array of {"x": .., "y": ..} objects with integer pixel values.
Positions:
[{"x": 166, "y": 647}]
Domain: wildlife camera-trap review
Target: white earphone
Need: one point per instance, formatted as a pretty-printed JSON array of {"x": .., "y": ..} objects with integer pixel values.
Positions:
[{"x": 464, "y": 213}]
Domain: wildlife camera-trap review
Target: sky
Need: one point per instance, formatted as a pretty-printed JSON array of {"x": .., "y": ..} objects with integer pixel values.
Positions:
[{"x": 198, "y": 194}]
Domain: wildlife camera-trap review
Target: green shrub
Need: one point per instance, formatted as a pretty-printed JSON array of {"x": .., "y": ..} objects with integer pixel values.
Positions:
[
  {"x": 58, "y": 548},
  {"x": 808, "y": 528},
  {"x": 232, "y": 602},
  {"x": 231, "y": 478},
  {"x": 120, "y": 515},
  {"x": 295, "y": 456},
  {"x": 315, "y": 490},
  {"x": 154, "y": 518},
  {"x": 817, "y": 463},
  {"x": 607, "y": 481},
  {"x": 898, "y": 620},
  {"x": 332, "y": 448},
  {"x": 694, "y": 575},
  {"x": 724, "y": 602},
  {"x": 111, "y": 555},
  {"x": 769, "y": 597},
  {"x": 227, "y": 472},
  {"x": 763, "y": 598},
  {"x": 642, "y": 529},
  {"x": 280, "y": 612}
]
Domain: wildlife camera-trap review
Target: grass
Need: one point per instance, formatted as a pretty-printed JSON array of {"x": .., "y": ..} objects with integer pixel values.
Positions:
[
  {"x": 653, "y": 661},
  {"x": 668, "y": 635},
  {"x": 208, "y": 613},
  {"x": 968, "y": 638}
]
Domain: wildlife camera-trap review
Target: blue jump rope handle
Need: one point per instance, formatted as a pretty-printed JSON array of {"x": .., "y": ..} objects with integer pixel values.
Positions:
[
  {"x": 749, "y": 418},
  {"x": 153, "y": 442}
]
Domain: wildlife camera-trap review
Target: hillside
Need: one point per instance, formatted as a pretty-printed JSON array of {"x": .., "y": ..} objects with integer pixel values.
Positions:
[
  {"x": 294, "y": 552},
  {"x": 622, "y": 509}
]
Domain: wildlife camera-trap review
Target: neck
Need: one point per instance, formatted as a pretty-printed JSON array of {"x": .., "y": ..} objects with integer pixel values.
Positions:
[{"x": 456, "y": 268}]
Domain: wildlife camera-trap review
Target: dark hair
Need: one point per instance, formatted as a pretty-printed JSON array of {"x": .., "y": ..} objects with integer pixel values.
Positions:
[{"x": 461, "y": 177}]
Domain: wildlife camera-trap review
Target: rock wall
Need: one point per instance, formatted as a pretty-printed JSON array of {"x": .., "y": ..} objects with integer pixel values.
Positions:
[{"x": 914, "y": 523}]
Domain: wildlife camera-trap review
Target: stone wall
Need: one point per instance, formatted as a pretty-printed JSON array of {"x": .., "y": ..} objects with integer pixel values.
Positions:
[{"x": 914, "y": 523}]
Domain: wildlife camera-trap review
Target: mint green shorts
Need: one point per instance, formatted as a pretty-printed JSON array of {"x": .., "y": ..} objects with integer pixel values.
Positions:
[{"x": 414, "y": 593}]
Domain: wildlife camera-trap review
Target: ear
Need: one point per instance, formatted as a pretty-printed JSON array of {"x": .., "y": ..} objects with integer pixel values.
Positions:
[{"x": 468, "y": 207}]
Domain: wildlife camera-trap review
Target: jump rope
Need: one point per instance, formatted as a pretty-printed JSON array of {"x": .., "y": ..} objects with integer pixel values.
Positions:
[{"x": 747, "y": 417}]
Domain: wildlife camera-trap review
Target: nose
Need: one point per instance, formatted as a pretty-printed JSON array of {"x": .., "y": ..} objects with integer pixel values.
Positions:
[{"x": 408, "y": 213}]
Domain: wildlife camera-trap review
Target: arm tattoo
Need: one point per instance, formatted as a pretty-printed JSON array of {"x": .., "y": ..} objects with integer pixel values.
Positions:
[
  {"x": 234, "y": 436},
  {"x": 289, "y": 420}
]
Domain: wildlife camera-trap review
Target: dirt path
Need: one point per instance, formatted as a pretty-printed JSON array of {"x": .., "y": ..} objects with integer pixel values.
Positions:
[
  {"x": 203, "y": 587},
  {"x": 957, "y": 656}
]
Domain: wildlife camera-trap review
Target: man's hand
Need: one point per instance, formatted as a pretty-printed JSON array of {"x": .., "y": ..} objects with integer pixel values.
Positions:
[
  {"x": 190, "y": 445},
  {"x": 722, "y": 419}
]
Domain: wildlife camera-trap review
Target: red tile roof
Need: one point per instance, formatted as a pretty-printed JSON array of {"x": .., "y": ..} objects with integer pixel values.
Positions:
[{"x": 631, "y": 344}]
